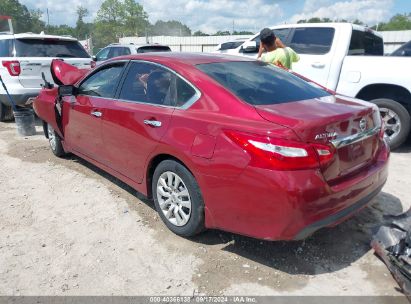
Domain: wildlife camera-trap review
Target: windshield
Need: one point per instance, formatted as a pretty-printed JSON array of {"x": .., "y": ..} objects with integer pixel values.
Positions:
[
  {"x": 49, "y": 48},
  {"x": 259, "y": 83}
]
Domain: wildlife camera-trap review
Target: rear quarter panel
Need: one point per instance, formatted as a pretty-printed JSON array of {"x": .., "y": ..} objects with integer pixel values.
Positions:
[{"x": 360, "y": 71}]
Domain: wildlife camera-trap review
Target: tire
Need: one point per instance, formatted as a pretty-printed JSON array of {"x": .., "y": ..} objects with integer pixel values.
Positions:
[
  {"x": 6, "y": 112},
  {"x": 55, "y": 142},
  {"x": 396, "y": 119},
  {"x": 190, "y": 204}
]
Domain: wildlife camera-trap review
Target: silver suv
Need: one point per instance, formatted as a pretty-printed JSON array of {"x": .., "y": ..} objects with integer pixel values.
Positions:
[
  {"x": 116, "y": 49},
  {"x": 23, "y": 59}
]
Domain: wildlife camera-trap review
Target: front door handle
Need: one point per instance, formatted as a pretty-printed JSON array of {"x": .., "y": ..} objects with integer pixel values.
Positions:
[
  {"x": 153, "y": 123},
  {"x": 96, "y": 113},
  {"x": 318, "y": 65}
]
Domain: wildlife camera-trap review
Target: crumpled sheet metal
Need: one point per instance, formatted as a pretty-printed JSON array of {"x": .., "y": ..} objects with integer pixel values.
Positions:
[{"x": 392, "y": 243}]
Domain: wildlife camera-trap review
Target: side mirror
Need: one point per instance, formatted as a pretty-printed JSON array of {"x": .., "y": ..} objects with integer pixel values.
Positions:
[
  {"x": 94, "y": 58},
  {"x": 67, "y": 90},
  {"x": 249, "y": 47}
]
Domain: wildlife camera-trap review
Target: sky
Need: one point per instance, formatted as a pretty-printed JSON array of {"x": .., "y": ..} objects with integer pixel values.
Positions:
[{"x": 251, "y": 15}]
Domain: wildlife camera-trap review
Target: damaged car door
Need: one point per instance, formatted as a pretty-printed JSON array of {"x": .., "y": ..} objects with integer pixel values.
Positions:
[{"x": 84, "y": 111}]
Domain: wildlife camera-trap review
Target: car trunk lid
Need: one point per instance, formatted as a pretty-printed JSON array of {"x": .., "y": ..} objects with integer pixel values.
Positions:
[{"x": 350, "y": 126}]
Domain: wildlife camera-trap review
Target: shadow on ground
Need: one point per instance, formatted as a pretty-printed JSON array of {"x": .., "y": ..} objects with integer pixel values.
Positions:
[{"x": 328, "y": 250}]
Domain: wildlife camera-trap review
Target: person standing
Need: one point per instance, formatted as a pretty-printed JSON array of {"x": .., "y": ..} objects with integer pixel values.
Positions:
[{"x": 276, "y": 52}]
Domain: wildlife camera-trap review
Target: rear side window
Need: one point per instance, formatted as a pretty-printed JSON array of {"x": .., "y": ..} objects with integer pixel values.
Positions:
[
  {"x": 259, "y": 83},
  {"x": 6, "y": 48},
  {"x": 103, "y": 83},
  {"x": 49, "y": 48},
  {"x": 150, "y": 49},
  {"x": 119, "y": 51},
  {"x": 365, "y": 43},
  {"x": 312, "y": 40},
  {"x": 184, "y": 92}
]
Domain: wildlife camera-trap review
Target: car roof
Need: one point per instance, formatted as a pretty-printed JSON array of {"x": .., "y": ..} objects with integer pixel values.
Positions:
[
  {"x": 185, "y": 57},
  {"x": 37, "y": 36}
]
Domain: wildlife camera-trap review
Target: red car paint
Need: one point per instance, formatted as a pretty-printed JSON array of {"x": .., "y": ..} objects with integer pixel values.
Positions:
[{"x": 243, "y": 192}]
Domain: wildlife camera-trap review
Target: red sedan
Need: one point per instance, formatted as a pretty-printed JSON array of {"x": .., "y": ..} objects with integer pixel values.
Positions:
[{"x": 220, "y": 142}]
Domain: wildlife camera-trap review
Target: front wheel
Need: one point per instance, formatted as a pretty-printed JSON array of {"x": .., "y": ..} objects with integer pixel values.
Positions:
[
  {"x": 396, "y": 121},
  {"x": 6, "y": 112},
  {"x": 55, "y": 142},
  {"x": 178, "y": 198}
]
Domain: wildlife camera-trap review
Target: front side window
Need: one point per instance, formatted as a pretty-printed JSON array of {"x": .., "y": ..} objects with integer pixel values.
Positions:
[
  {"x": 103, "y": 54},
  {"x": 259, "y": 83},
  {"x": 366, "y": 44},
  {"x": 102, "y": 83},
  {"x": 312, "y": 40},
  {"x": 29, "y": 47},
  {"x": 405, "y": 50}
]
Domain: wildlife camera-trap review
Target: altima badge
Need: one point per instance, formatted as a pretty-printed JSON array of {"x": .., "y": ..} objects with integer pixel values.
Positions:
[{"x": 326, "y": 135}]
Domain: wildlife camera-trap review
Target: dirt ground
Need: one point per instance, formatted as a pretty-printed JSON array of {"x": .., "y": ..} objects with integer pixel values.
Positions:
[{"x": 68, "y": 228}]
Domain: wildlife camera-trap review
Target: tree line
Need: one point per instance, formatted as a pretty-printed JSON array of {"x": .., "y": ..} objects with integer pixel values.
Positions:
[{"x": 120, "y": 18}]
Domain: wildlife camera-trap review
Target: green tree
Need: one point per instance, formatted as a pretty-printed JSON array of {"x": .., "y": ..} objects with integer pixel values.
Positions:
[
  {"x": 118, "y": 18},
  {"x": 397, "y": 23},
  {"x": 82, "y": 29},
  {"x": 200, "y": 33},
  {"x": 222, "y": 33},
  {"x": 170, "y": 28},
  {"x": 23, "y": 20},
  {"x": 243, "y": 33}
]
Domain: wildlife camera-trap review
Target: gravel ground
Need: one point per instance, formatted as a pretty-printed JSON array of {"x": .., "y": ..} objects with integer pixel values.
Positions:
[{"x": 68, "y": 228}]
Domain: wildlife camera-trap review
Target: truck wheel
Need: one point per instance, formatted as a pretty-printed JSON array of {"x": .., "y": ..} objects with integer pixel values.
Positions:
[
  {"x": 396, "y": 121},
  {"x": 55, "y": 142},
  {"x": 6, "y": 112}
]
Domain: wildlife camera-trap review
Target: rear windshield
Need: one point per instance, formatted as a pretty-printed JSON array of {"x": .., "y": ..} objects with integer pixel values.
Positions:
[
  {"x": 49, "y": 48},
  {"x": 149, "y": 49},
  {"x": 259, "y": 83}
]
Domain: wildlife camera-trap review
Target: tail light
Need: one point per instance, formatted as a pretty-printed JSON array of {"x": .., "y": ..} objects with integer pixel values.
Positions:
[
  {"x": 13, "y": 67},
  {"x": 282, "y": 154},
  {"x": 92, "y": 64}
]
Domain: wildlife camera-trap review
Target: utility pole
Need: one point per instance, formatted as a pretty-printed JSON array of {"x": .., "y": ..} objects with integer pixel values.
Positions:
[
  {"x": 232, "y": 33},
  {"x": 48, "y": 20}
]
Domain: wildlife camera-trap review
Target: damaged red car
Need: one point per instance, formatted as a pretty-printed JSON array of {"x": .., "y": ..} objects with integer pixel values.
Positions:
[{"x": 220, "y": 142}]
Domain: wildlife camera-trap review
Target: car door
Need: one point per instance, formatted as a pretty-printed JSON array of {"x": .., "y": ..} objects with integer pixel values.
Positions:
[
  {"x": 135, "y": 122},
  {"x": 314, "y": 46},
  {"x": 83, "y": 112}
]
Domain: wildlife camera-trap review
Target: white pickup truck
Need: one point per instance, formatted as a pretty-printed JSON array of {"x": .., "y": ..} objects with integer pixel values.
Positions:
[{"x": 349, "y": 59}]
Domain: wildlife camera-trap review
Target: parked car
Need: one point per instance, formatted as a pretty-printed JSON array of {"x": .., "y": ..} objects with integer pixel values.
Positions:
[
  {"x": 117, "y": 49},
  {"x": 349, "y": 59},
  {"x": 221, "y": 141},
  {"x": 404, "y": 50},
  {"x": 24, "y": 57}
]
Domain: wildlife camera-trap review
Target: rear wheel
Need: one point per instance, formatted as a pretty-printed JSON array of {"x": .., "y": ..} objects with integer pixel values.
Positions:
[
  {"x": 396, "y": 121},
  {"x": 6, "y": 112},
  {"x": 178, "y": 198},
  {"x": 55, "y": 142}
]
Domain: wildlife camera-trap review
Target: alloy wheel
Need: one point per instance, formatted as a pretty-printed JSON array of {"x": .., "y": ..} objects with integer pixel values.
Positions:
[
  {"x": 392, "y": 123},
  {"x": 173, "y": 198}
]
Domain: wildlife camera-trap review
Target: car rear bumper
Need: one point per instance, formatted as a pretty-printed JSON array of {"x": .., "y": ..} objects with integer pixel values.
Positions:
[{"x": 279, "y": 205}]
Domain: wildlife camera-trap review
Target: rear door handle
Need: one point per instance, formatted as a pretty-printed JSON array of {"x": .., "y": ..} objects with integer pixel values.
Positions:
[
  {"x": 318, "y": 65},
  {"x": 153, "y": 123},
  {"x": 96, "y": 113}
]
